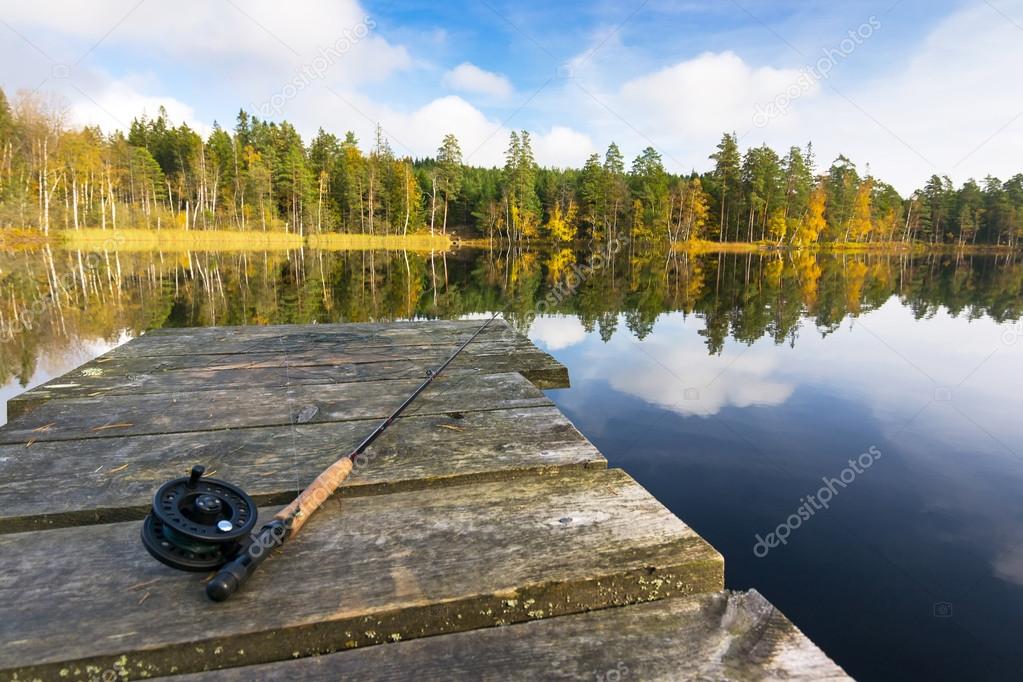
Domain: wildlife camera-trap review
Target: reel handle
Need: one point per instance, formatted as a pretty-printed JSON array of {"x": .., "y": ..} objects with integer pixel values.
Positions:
[{"x": 233, "y": 574}]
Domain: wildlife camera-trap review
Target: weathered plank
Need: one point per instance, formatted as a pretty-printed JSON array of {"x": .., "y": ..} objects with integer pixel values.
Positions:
[
  {"x": 185, "y": 373},
  {"x": 164, "y": 413},
  {"x": 521, "y": 359},
  {"x": 296, "y": 338},
  {"x": 706, "y": 637},
  {"x": 322, "y": 344},
  {"x": 106, "y": 480},
  {"x": 75, "y": 602},
  {"x": 389, "y": 329}
]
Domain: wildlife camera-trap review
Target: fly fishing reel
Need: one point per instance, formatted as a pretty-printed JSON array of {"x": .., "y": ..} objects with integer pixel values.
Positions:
[{"x": 198, "y": 524}]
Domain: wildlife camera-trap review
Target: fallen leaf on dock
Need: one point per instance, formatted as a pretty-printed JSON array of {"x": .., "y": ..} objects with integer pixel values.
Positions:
[
  {"x": 29, "y": 444},
  {"x": 144, "y": 598},
  {"x": 123, "y": 425},
  {"x": 137, "y": 586},
  {"x": 120, "y": 468},
  {"x": 450, "y": 426},
  {"x": 44, "y": 427}
]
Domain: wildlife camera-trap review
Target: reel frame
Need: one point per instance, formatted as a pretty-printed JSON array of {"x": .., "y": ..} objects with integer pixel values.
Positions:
[{"x": 198, "y": 524}]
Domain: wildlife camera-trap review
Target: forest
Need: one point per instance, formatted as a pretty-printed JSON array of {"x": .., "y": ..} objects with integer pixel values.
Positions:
[{"x": 262, "y": 175}]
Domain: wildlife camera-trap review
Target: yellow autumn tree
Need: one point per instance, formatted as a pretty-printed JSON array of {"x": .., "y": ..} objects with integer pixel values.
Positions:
[
  {"x": 855, "y": 275},
  {"x": 523, "y": 267},
  {"x": 861, "y": 226},
  {"x": 558, "y": 265},
  {"x": 813, "y": 223},
  {"x": 693, "y": 278},
  {"x": 808, "y": 273},
  {"x": 562, "y": 224},
  {"x": 525, "y": 223}
]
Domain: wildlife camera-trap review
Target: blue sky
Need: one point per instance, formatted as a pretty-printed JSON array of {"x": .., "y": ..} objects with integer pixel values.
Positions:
[{"x": 909, "y": 87}]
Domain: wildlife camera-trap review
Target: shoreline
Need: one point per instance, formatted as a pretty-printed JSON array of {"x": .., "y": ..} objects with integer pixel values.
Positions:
[{"x": 137, "y": 240}]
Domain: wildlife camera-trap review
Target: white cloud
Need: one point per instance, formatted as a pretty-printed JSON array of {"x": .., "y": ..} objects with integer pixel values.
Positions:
[
  {"x": 245, "y": 53},
  {"x": 255, "y": 33},
  {"x": 671, "y": 369},
  {"x": 415, "y": 133},
  {"x": 1007, "y": 563},
  {"x": 706, "y": 387},
  {"x": 562, "y": 147},
  {"x": 468, "y": 77},
  {"x": 704, "y": 96},
  {"x": 419, "y": 132},
  {"x": 251, "y": 55},
  {"x": 557, "y": 332},
  {"x": 116, "y": 103}
]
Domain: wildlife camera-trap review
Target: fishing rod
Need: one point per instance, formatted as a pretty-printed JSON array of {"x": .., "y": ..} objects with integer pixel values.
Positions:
[{"x": 203, "y": 524}]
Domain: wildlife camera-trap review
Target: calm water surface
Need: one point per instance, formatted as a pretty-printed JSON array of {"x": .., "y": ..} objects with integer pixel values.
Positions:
[{"x": 732, "y": 387}]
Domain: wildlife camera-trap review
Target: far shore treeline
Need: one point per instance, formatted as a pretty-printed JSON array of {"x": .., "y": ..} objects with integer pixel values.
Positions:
[{"x": 262, "y": 176}]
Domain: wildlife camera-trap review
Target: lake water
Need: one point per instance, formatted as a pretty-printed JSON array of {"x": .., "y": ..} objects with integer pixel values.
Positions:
[{"x": 846, "y": 430}]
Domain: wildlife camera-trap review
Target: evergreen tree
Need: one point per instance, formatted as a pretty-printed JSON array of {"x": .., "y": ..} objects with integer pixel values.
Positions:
[
  {"x": 726, "y": 171},
  {"x": 449, "y": 161}
]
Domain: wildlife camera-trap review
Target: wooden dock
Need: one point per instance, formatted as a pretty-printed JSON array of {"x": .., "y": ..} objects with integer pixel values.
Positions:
[{"x": 484, "y": 539}]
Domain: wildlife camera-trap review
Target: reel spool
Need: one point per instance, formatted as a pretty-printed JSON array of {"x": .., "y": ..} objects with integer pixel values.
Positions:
[{"x": 196, "y": 523}]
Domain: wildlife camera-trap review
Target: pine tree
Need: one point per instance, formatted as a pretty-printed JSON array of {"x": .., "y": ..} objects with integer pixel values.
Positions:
[
  {"x": 593, "y": 190},
  {"x": 449, "y": 161},
  {"x": 841, "y": 185},
  {"x": 798, "y": 186},
  {"x": 520, "y": 187},
  {"x": 726, "y": 171},
  {"x": 650, "y": 187},
  {"x": 617, "y": 193}
]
